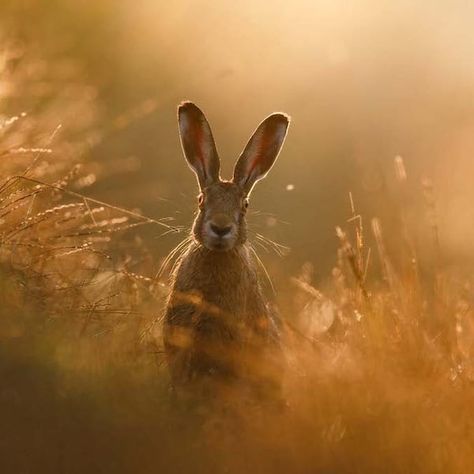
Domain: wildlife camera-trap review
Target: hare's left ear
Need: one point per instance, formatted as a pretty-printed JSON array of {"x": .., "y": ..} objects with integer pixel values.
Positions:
[
  {"x": 261, "y": 151},
  {"x": 198, "y": 144}
]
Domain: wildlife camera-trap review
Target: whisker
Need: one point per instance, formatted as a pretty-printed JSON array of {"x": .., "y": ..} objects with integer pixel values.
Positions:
[
  {"x": 181, "y": 245},
  {"x": 262, "y": 245},
  {"x": 264, "y": 269},
  {"x": 280, "y": 249},
  {"x": 261, "y": 214},
  {"x": 178, "y": 257},
  {"x": 175, "y": 230}
]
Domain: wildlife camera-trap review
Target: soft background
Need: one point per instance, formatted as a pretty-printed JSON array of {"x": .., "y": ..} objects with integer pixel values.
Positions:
[{"x": 364, "y": 81}]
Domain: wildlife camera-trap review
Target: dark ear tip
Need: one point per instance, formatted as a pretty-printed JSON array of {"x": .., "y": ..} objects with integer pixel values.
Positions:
[
  {"x": 281, "y": 117},
  {"x": 277, "y": 123},
  {"x": 188, "y": 107}
]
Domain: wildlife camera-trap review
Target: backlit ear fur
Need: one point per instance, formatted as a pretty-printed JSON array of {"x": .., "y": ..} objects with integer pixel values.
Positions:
[
  {"x": 261, "y": 151},
  {"x": 198, "y": 144}
]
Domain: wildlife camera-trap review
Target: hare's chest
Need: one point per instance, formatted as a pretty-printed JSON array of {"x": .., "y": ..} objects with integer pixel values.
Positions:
[{"x": 225, "y": 285}]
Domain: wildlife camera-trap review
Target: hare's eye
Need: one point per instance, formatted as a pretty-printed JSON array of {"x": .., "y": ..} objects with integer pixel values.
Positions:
[
  {"x": 201, "y": 199},
  {"x": 246, "y": 203}
]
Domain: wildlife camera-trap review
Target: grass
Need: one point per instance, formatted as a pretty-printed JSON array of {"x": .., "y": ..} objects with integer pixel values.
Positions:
[{"x": 380, "y": 369}]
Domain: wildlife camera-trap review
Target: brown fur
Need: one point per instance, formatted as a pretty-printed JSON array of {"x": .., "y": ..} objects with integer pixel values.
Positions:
[{"x": 218, "y": 325}]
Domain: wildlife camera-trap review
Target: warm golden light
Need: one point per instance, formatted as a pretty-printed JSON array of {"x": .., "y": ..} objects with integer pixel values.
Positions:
[{"x": 361, "y": 236}]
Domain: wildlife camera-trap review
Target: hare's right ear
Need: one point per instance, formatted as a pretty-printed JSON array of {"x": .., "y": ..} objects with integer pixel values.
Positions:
[
  {"x": 198, "y": 144},
  {"x": 261, "y": 151}
]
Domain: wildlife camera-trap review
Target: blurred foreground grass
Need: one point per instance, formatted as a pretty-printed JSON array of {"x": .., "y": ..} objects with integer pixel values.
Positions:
[{"x": 380, "y": 363}]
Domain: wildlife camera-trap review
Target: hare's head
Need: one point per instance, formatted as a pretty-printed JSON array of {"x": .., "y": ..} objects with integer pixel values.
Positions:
[{"x": 220, "y": 223}]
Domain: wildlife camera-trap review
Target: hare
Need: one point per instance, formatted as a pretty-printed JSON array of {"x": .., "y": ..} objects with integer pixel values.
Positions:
[{"x": 217, "y": 324}]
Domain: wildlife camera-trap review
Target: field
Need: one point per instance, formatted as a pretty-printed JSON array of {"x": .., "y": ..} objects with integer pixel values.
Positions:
[{"x": 378, "y": 337}]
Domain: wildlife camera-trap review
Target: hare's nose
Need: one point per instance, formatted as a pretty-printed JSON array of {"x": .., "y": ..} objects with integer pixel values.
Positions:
[{"x": 221, "y": 231}]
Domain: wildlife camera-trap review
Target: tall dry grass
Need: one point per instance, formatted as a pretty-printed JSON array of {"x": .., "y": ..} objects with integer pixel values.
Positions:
[
  {"x": 54, "y": 236},
  {"x": 380, "y": 359}
]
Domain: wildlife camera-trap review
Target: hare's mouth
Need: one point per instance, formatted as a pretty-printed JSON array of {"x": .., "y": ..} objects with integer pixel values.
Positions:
[{"x": 221, "y": 244}]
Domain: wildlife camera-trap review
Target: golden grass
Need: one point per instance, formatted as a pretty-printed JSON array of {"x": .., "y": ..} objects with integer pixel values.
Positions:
[{"x": 380, "y": 368}]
